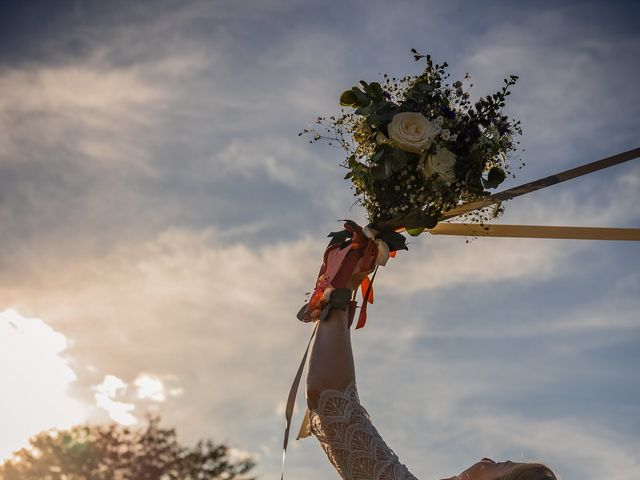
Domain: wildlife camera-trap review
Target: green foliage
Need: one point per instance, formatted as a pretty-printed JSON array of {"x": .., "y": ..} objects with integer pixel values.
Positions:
[
  {"x": 114, "y": 452},
  {"x": 495, "y": 177},
  {"x": 348, "y": 99},
  {"x": 414, "y": 232}
]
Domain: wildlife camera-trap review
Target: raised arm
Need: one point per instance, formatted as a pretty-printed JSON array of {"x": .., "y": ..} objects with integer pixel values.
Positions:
[
  {"x": 331, "y": 364},
  {"x": 337, "y": 419}
]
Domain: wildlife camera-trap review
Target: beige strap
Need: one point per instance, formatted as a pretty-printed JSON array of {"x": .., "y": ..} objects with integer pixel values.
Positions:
[
  {"x": 542, "y": 183},
  {"x": 291, "y": 400},
  {"x": 536, "y": 231}
]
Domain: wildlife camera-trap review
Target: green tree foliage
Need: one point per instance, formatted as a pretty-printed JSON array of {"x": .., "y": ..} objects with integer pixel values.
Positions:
[{"x": 114, "y": 452}]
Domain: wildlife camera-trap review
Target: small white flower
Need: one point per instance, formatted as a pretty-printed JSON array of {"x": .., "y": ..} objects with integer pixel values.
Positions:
[{"x": 445, "y": 135}]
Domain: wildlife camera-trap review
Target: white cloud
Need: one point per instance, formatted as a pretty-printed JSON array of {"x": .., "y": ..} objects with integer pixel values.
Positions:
[
  {"x": 89, "y": 110},
  {"x": 111, "y": 386},
  {"x": 105, "y": 395},
  {"x": 435, "y": 262},
  {"x": 182, "y": 305},
  {"x": 35, "y": 376},
  {"x": 150, "y": 387},
  {"x": 282, "y": 160}
]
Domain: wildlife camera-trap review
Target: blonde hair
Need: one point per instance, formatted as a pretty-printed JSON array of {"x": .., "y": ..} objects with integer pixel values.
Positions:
[{"x": 530, "y": 471}]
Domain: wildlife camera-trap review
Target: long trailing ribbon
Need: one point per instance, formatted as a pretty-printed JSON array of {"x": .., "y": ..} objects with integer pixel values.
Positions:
[
  {"x": 536, "y": 231},
  {"x": 542, "y": 183},
  {"x": 293, "y": 391},
  {"x": 291, "y": 400}
]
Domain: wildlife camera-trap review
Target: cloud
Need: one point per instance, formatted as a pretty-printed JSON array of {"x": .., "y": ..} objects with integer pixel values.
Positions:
[
  {"x": 446, "y": 262},
  {"x": 71, "y": 151},
  {"x": 35, "y": 378},
  {"x": 568, "y": 69},
  {"x": 186, "y": 307},
  {"x": 151, "y": 387},
  {"x": 106, "y": 394},
  {"x": 279, "y": 158},
  {"x": 591, "y": 452},
  {"x": 79, "y": 109},
  {"x": 152, "y": 124}
]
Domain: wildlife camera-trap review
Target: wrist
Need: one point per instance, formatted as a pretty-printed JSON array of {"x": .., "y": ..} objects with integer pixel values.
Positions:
[{"x": 351, "y": 256}]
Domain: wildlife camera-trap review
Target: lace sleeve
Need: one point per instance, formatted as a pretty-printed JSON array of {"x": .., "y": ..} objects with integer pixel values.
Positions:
[{"x": 353, "y": 445}]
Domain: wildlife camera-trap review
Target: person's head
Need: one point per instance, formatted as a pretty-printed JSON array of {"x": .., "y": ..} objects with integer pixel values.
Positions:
[{"x": 487, "y": 469}]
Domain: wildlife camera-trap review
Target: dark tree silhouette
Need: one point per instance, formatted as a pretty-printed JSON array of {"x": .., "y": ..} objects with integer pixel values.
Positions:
[{"x": 114, "y": 452}]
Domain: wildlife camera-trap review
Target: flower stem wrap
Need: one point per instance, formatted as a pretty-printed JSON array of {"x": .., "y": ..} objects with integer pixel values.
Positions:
[{"x": 351, "y": 255}]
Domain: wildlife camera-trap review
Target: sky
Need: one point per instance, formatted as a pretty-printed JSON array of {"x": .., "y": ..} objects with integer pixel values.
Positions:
[{"x": 161, "y": 221}]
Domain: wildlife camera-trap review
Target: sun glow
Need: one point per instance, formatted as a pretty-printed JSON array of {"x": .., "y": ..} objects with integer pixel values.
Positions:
[{"x": 34, "y": 377}]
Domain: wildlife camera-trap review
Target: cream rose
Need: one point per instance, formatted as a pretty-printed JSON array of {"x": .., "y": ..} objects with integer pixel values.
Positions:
[
  {"x": 412, "y": 132},
  {"x": 442, "y": 163}
]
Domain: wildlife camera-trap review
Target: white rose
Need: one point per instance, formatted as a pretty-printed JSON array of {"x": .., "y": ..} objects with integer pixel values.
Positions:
[
  {"x": 412, "y": 131},
  {"x": 441, "y": 163}
]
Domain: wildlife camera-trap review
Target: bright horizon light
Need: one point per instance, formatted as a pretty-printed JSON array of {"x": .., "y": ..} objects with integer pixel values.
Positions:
[{"x": 35, "y": 378}]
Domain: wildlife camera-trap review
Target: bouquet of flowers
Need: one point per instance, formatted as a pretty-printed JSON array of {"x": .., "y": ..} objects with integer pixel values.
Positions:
[{"x": 418, "y": 146}]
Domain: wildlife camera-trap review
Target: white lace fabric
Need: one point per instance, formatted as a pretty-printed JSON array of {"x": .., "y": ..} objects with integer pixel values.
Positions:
[{"x": 353, "y": 445}]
